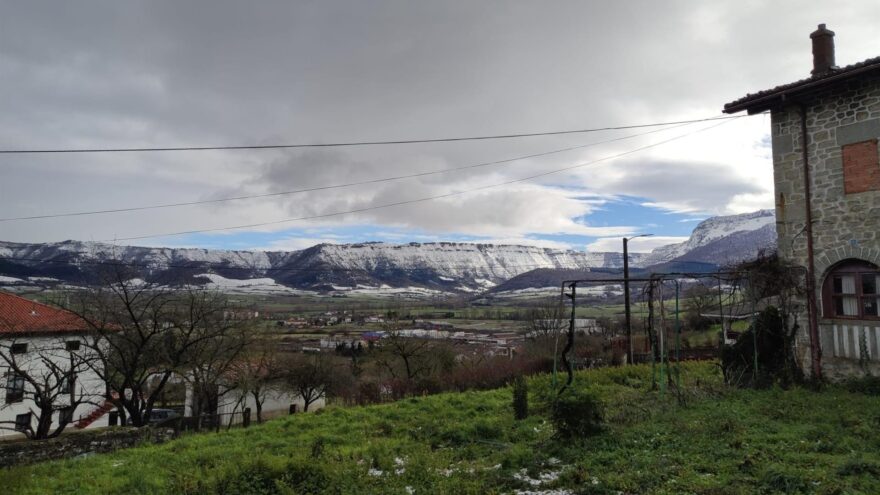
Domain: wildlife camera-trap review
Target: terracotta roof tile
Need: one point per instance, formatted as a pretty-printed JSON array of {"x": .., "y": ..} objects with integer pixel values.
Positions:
[
  {"x": 23, "y": 316},
  {"x": 761, "y": 97}
]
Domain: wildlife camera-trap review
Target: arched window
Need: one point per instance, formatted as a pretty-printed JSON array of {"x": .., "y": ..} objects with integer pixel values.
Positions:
[{"x": 852, "y": 290}]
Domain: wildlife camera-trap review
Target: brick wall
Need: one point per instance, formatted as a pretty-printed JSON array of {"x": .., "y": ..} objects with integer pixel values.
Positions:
[{"x": 861, "y": 167}]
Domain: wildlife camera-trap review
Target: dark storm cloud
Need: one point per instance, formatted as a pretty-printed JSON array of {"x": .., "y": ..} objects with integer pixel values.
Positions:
[{"x": 202, "y": 73}]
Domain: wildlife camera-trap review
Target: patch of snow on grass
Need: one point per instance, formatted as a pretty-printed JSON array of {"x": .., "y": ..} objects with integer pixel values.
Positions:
[{"x": 253, "y": 285}]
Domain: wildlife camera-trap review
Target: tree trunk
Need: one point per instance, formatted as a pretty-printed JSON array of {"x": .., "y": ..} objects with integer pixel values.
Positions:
[
  {"x": 259, "y": 405},
  {"x": 44, "y": 422}
]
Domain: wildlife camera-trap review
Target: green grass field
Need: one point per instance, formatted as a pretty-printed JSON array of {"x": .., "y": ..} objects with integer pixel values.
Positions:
[{"x": 713, "y": 441}]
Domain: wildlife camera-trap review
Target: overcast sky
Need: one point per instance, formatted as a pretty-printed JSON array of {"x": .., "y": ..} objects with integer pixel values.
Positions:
[{"x": 140, "y": 74}]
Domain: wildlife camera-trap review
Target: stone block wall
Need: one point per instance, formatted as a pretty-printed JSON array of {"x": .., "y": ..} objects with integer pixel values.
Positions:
[
  {"x": 845, "y": 208},
  {"x": 79, "y": 444}
]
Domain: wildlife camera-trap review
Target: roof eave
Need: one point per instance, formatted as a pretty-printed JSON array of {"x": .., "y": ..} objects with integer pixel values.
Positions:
[
  {"x": 771, "y": 100},
  {"x": 758, "y": 105},
  {"x": 41, "y": 333}
]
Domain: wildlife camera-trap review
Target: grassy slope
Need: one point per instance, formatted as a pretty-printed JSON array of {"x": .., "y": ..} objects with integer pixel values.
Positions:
[{"x": 718, "y": 441}]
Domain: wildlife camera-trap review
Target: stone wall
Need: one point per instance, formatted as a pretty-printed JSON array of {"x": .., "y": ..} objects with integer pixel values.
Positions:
[
  {"x": 845, "y": 226},
  {"x": 79, "y": 444}
]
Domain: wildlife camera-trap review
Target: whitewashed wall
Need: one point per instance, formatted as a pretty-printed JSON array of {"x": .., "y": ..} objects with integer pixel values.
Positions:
[
  {"x": 87, "y": 381},
  {"x": 277, "y": 403}
]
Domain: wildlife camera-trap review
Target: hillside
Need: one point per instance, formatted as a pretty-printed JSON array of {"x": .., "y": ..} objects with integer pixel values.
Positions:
[
  {"x": 722, "y": 240},
  {"x": 444, "y": 266},
  {"x": 375, "y": 267},
  {"x": 547, "y": 279},
  {"x": 717, "y": 440}
]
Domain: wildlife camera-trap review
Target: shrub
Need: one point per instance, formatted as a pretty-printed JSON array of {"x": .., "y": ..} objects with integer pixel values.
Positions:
[
  {"x": 577, "y": 413},
  {"x": 778, "y": 481},
  {"x": 306, "y": 477},
  {"x": 856, "y": 467},
  {"x": 257, "y": 477},
  {"x": 317, "y": 447},
  {"x": 520, "y": 398},
  {"x": 770, "y": 342},
  {"x": 868, "y": 385},
  {"x": 484, "y": 430},
  {"x": 368, "y": 393}
]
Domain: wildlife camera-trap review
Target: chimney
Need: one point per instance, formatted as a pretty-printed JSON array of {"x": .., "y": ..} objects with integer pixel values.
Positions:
[{"x": 823, "y": 50}]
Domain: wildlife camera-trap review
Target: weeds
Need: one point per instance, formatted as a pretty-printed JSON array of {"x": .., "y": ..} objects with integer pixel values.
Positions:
[
  {"x": 723, "y": 441},
  {"x": 520, "y": 398}
]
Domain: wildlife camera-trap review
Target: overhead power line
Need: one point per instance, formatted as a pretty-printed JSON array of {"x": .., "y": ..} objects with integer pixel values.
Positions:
[
  {"x": 419, "y": 200},
  {"x": 335, "y": 186},
  {"x": 354, "y": 143}
]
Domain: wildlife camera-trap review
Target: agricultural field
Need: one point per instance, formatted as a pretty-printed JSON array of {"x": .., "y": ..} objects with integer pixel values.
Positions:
[{"x": 703, "y": 438}]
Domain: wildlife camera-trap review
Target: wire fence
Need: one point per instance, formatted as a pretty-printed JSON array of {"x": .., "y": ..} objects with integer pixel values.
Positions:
[{"x": 217, "y": 421}]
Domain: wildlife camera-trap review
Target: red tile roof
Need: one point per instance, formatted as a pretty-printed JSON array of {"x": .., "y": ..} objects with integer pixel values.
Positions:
[
  {"x": 23, "y": 316},
  {"x": 763, "y": 100}
]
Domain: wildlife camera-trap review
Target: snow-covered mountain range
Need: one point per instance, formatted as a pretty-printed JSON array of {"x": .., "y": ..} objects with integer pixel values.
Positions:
[
  {"x": 443, "y": 266},
  {"x": 722, "y": 240}
]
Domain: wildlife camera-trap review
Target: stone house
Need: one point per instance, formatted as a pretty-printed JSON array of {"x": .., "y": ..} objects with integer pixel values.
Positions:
[{"x": 824, "y": 132}]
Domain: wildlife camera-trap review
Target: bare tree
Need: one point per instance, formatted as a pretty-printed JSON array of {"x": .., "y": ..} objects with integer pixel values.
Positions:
[
  {"x": 144, "y": 334},
  {"x": 215, "y": 345},
  {"x": 255, "y": 375},
  {"x": 778, "y": 286},
  {"x": 309, "y": 375},
  {"x": 699, "y": 300},
  {"x": 406, "y": 357},
  {"x": 45, "y": 375},
  {"x": 546, "y": 322},
  {"x": 546, "y": 319}
]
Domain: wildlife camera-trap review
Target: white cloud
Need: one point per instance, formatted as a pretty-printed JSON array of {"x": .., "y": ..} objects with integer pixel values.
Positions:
[
  {"x": 152, "y": 75},
  {"x": 524, "y": 241},
  {"x": 297, "y": 243},
  {"x": 637, "y": 245}
]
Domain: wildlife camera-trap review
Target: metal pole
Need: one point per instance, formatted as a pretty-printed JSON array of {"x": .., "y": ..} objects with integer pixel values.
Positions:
[
  {"x": 652, "y": 336},
  {"x": 677, "y": 339},
  {"x": 629, "y": 357},
  {"x": 754, "y": 343},
  {"x": 721, "y": 319},
  {"x": 569, "y": 345},
  {"x": 664, "y": 362},
  {"x": 556, "y": 332},
  {"x": 812, "y": 309}
]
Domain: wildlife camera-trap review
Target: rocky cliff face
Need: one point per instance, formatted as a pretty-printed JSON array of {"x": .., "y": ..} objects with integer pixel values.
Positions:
[
  {"x": 442, "y": 266},
  {"x": 722, "y": 240}
]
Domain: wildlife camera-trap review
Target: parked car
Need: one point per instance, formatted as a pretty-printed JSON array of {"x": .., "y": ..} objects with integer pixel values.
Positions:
[{"x": 159, "y": 416}]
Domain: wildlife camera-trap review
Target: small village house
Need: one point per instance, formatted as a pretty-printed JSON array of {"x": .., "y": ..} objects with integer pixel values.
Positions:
[
  {"x": 826, "y": 166},
  {"x": 38, "y": 344}
]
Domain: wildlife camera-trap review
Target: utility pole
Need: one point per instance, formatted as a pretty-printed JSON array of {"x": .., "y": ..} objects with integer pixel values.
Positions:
[{"x": 629, "y": 342}]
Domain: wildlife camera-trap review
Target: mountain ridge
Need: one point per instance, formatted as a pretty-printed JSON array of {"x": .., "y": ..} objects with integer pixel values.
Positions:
[{"x": 437, "y": 266}]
